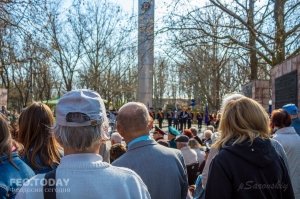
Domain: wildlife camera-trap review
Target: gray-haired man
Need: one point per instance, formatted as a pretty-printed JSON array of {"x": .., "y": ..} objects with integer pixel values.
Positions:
[{"x": 81, "y": 124}]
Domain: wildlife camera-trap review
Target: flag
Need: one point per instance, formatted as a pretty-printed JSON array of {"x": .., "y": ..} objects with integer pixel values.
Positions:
[{"x": 206, "y": 114}]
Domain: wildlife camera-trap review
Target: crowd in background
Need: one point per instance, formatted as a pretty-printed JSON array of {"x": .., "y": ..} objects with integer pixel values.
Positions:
[{"x": 241, "y": 152}]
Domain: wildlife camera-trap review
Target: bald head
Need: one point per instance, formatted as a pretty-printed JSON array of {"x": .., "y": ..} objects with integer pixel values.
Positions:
[{"x": 133, "y": 120}]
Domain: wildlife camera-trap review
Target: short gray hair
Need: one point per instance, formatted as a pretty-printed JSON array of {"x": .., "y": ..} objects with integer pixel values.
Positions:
[
  {"x": 194, "y": 130},
  {"x": 80, "y": 138},
  {"x": 210, "y": 127},
  {"x": 208, "y": 132}
]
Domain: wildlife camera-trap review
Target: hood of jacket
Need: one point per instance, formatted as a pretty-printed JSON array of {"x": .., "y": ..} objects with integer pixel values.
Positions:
[{"x": 260, "y": 153}]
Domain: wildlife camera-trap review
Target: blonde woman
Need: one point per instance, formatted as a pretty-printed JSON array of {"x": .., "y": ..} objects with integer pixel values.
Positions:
[
  {"x": 247, "y": 164},
  {"x": 13, "y": 171}
]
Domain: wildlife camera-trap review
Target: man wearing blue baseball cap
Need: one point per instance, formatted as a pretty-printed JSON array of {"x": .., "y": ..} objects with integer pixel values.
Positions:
[{"x": 293, "y": 112}]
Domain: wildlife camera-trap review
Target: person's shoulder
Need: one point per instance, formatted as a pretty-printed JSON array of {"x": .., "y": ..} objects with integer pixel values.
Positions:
[
  {"x": 275, "y": 142},
  {"x": 279, "y": 137},
  {"x": 121, "y": 170},
  {"x": 146, "y": 147},
  {"x": 167, "y": 150},
  {"x": 131, "y": 180},
  {"x": 122, "y": 160},
  {"x": 32, "y": 188},
  {"x": 193, "y": 151},
  {"x": 170, "y": 153},
  {"x": 296, "y": 120},
  {"x": 275, "y": 138},
  {"x": 221, "y": 159},
  {"x": 223, "y": 154},
  {"x": 32, "y": 181},
  {"x": 125, "y": 174}
]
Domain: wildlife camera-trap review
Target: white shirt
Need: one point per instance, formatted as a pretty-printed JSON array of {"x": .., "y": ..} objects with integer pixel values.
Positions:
[
  {"x": 85, "y": 176},
  {"x": 200, "y": 155},
  {"x": 189, "y": 155},
  {"x": 290, "y": 141}
]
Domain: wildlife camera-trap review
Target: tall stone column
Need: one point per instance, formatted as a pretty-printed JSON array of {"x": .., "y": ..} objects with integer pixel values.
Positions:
[{"x": 145, "y": 51}]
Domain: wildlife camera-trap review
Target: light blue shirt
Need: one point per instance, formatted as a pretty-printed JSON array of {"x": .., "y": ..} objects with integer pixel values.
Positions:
[{"x": 139, "y": 139}]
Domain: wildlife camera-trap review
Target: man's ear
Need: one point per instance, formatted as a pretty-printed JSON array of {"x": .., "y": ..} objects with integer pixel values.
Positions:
[
  {"x": 150, "y": 124},
  {"x": 119, "y": 128}
]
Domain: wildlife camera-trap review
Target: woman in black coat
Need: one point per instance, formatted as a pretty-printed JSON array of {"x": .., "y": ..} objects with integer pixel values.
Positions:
[{"x": 247, "y": 165}]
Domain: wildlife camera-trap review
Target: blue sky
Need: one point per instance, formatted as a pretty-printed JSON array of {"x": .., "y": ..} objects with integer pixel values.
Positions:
[{"x": 161, "y": 6}]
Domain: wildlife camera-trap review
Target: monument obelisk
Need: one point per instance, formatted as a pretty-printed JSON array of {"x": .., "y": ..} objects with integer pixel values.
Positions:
[{"x": 145, "y": 51}]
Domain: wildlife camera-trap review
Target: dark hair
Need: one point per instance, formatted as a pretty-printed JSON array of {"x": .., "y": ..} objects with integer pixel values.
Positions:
[
  {"x": 280, "y": 118},
  {"x": 116, "y": 151}
]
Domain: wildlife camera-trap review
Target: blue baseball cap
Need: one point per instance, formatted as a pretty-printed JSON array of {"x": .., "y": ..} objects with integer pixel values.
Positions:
[{"x": 291, "y": 109}]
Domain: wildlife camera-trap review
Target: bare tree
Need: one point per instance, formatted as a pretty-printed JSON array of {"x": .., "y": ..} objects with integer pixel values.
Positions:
[
  {"x": 65, "y": 50},
  {"x": 207, "y": 65},
  {"x": 272, "y": 46},
  {"x": 160, "y": 80},
  {"x": 99, "y": 27}
]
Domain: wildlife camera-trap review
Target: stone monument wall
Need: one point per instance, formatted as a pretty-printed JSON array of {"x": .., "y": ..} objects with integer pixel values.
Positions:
[
  {"x": 286, "y": 83},
  {"x": 258, "y": 90}
]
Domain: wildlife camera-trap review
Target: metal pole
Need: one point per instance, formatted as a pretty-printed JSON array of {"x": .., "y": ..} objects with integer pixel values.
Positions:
[{"x": 145, "y": 51}]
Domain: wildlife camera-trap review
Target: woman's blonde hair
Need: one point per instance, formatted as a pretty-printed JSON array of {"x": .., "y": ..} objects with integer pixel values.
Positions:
[
  {"x": 35, "y": 134},
  {"x": 242, "y": 119}
]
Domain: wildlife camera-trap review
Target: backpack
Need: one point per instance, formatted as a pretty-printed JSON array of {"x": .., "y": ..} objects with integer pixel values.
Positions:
[{"x": 49, "y": 189}]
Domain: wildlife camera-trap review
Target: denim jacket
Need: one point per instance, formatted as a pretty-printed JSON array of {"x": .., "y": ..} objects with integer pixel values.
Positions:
[
  {"x": 43, "y": 169},
  {"x": 12, "y": 178}
]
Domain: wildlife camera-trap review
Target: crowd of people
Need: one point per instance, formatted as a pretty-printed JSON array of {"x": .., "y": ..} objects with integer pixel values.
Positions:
[
  {"x": 183, "y": 118},
  {"x": 178, "y": 118},
  {"x": 85, "y": 152}
]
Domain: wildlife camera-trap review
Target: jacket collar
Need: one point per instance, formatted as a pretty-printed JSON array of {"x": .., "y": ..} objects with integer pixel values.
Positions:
[
  {"x": 82, "y": 160},
  {"x": 141, "y": 144},
  {"x": 5, "y": 157},
  {"x": 286, "y": 130},
  {"x": 138, "y": 139}
]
